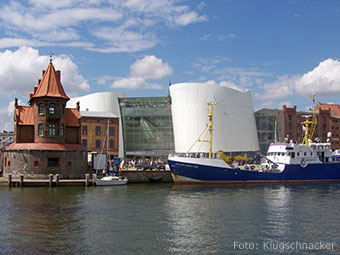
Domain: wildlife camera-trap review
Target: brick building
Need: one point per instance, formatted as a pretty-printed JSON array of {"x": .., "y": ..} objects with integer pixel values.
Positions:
[
  {"x": 46, "y": 134},
  {"x": 328, "y": 120},
  {"x": 100, "y": 132}
]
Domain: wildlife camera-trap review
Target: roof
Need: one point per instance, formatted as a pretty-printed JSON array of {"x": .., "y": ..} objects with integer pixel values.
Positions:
[
  {"x": 25, "y": 115},
  {"x": 44, "y": 146},
  {"x": 96, "y": 114},
  {"x": 50, "y": 85},
  {"x": 72, "y": 117},
  {"x": 334, "y": 108}
]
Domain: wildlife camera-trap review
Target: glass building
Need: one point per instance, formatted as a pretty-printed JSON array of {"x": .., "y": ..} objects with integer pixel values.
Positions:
[
  {"x": 147, "y": 126},
  {"x": 270, "y": 128}
]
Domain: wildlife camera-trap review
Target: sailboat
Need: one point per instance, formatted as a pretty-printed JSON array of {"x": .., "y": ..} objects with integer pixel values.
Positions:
[{"x": 112, "y": 178}]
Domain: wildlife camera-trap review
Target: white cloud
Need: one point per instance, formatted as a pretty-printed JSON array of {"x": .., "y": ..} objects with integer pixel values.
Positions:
[
  {"x": 134, "y": 83},
  {"x": 14, "y": 42},
  {"x": 188, "y": 18},
  {"x": 115, "y": 26},
  {"x": 231, "y": 85},
  {"x": 20, "y": 70},
  {"x": 284, "y": 86},
  {"x": 324, "y": 80},
  {"x": 220, "y": 37},
  {"x": 7, "y": 115},
  {"x": 150, "y": 67},
  {"x": 120, "y": 40},
  {"x": 147, "y": 68}
]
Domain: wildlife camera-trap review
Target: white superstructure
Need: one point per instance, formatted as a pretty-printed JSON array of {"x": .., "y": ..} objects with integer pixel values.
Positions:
[{"x": 234, "y": 127}]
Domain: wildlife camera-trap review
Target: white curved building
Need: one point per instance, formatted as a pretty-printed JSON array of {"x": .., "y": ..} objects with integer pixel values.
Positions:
[
  {"x": 233, "y": 120},
  {"x": 101, "y": 102}
]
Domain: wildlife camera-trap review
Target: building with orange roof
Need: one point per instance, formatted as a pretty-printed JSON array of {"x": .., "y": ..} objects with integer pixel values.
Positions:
[{"x": 46, "y": 134}]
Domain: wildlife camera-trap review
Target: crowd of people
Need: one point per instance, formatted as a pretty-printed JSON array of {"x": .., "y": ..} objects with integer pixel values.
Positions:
[{"x": 141, "y": 163}]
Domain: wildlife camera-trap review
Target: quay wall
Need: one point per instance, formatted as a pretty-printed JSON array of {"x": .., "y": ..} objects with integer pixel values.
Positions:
[
  {"x": 135, "y": 176},
  {"x": 33, "y": 164}
]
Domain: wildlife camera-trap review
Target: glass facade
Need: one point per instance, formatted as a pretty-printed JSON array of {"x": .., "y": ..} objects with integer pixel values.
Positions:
[
  {"x": 266, "y": 130},
  {"x": 147, "y": 126}
]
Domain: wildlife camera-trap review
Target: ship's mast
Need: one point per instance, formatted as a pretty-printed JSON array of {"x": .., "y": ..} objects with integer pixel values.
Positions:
[
  {"x": 210, "y": 125},
  {"x": 310, "y": 126}
]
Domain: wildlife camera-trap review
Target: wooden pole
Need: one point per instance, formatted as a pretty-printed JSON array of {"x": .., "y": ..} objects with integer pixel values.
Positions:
[
  {"x": 57, "y": 178},
  {"x": 87, "y": 179},
  {"x": 21, "y": 180},
  {"x": 10, "y": 180},
  {"x": 94, "y": 177},
  {"x": 50, "y": 177}
]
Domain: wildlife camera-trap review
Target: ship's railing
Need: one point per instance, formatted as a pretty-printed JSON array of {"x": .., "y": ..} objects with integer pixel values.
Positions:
[{"x": 192, "y": 154}]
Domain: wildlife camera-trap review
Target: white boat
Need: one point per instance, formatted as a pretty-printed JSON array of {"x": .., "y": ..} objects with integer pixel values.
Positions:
[{"x": 111, "y": 181}]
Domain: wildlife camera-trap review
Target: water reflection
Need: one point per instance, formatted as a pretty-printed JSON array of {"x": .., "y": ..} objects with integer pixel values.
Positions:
[
  {"x": 277, "y": 203},
  {"x": 41, "y": 220},
  {"x": 159, "y": 219}
]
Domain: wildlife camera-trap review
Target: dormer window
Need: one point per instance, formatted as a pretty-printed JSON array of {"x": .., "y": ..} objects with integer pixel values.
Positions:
[
  {"x": 41, "y": 109},
  {"x": 51, "y": 109}
]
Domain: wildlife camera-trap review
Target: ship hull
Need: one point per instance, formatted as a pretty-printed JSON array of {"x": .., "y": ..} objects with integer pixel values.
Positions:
[{"x": 191, "y": 173}]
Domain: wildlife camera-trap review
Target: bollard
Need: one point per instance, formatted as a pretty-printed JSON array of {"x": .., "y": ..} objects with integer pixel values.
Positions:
[
  {"x": 50, "y": 177},
  {"x": 57, "y": 178},
  {"x": 10, "y": 180},
  {"x": 21, "y": 180},
  {"x": 87, "y": 179},
  {"x": 94, "y": 178}
]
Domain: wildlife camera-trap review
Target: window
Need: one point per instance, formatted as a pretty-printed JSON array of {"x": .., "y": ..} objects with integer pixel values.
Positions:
[
  {"x": 52, "y": 130},
  {"x": 84, "y": 130},
  {"x": 40, "y": 129},
  {"x": 112, "y": 131},
  {"x": 36, "y": 163},
  {"x": 41, "y": 109},
  {"x": 97, "y": 143},
  {"x": 84, "y": 143},
  {"x": 289, "y": 117},
  {"x": 52, "y": 162},
  {"x": 111, "y": 144},
  {"x": 69, "y": 163},
  {"x": 51, "y": 109},
  {"x": 97, "y": 130},
  {"x": 62, "y": 130},
  {"x": 9, "y": 163}
]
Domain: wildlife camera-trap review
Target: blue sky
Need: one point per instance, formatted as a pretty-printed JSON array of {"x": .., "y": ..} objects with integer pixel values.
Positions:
[{"x": 282, "y": 51}]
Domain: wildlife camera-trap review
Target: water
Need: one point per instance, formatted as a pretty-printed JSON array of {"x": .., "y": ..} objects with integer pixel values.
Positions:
[{"x": 167, "y": 219}]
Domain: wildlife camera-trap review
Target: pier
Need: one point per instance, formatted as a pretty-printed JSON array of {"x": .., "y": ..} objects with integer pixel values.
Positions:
[{"x": 134, "y": 176}]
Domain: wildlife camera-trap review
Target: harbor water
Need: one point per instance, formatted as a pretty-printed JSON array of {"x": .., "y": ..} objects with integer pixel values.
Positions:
[{"x": 168, "y": 219}]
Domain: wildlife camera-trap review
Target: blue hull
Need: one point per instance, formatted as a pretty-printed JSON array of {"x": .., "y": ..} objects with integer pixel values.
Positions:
[{"x": 195, "y": 173}]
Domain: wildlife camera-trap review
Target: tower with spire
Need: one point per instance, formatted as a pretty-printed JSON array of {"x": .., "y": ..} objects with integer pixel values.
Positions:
[{"x": 46, "y": 133}]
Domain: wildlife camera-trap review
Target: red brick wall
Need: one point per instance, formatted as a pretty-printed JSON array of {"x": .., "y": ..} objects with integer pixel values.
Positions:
[
  {"x": 24, "y": 134},
  {"x": 290, "y": 122},
  {"x": 72, "y": 135}
]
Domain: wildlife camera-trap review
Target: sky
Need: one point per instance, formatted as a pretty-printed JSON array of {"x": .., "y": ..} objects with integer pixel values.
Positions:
[{"x": 282, "y": 51}]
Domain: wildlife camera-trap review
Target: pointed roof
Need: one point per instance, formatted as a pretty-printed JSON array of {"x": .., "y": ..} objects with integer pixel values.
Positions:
[{"x": 50, "y": 85}]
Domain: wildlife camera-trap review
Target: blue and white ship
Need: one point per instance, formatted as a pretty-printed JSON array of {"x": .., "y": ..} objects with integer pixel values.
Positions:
[{"x": 284, "y": 162}]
